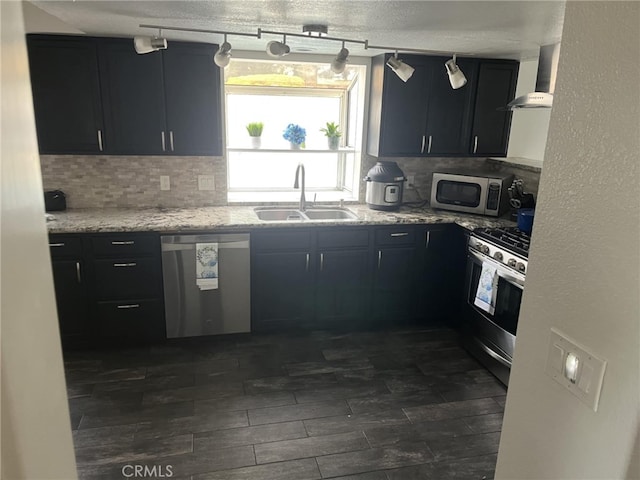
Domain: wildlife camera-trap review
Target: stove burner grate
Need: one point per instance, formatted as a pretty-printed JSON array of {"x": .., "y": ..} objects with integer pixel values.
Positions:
[{"x": 509, "y": 238}]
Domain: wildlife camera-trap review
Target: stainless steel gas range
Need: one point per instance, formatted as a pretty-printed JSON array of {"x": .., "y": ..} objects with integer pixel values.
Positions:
[{"x": 495, "y": 277}]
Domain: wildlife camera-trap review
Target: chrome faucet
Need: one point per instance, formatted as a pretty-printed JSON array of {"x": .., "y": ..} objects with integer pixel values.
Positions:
[{"x": 303, "y": 201}]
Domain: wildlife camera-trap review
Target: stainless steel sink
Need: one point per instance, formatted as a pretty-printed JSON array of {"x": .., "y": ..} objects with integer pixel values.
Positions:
[
  {"x": 279, "y": 215},
  {"x": 330, "y": 214},
  {"x": 270, "y": 214}
]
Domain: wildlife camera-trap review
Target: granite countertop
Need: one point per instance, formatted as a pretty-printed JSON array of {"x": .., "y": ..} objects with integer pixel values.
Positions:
[{"x": 240, "y": 218}]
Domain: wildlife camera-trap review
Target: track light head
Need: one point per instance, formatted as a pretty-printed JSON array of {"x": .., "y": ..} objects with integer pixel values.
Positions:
[
  {"x": 456, "y": 77},
  {"x": 401, "y": 69},
  {"x": 277, "y": 49},
  {"x": 149, "y": 44},
  {"x": 340, "y": 62},
  {"x": 223, "y": 55}
]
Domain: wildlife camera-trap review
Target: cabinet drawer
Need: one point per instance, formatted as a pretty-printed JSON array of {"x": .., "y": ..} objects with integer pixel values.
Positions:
[
  {"x": 396, "y": 235},
  {"x": 65, "y": 246},
  {"x": 125, "y": 244},
  {"x": 132, "y": 320},
  {"x": 127, "y": 278},
  {"x": 343, "y": 238},
  {"x": 290, "y": 239}
]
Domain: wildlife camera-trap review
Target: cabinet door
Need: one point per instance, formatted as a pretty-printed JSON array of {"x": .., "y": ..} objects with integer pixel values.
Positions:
[
  {"x": 448, "y": 113},
  {"x": 130, "y": 322},
  {"x": 71, "y": 301},
  {"x": 66, "y": 94},
  {"x": 133, "y": 95},
  {"x": 394, "y": 288},
  {"x": 282, "y": 286},
  {"x": 192, "y": 86},
  {"x": 342, "y": 286},
  {"x": 496, "y": 88},
  {"x": 404, "y": 107}
]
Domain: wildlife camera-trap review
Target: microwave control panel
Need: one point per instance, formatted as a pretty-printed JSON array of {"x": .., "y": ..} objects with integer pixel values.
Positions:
[{"x": 493, "y": 196}]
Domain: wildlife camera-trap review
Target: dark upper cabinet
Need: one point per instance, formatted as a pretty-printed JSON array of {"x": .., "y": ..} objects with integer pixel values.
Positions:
[
  {"x": 133, "y": 99},
  {"x": 192, "y": 95},
  {"x": 66, "y": 94},
  {"x": 491, "y": 123},
  {"x": 97, "y": 95},
  {"x": 426, "y": 117}
]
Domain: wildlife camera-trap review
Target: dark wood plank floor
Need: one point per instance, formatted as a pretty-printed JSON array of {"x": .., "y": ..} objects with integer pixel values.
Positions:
[{"x": 388, "y": 405}]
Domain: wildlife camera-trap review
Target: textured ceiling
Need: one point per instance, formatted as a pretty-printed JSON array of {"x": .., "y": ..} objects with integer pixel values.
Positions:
[{"x": 513, "y": 29}]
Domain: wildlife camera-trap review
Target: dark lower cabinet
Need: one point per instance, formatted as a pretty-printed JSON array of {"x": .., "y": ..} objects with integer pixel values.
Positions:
[
  {"x": 342, "y": 286},
  {"x": 282, "y": 289},
  {"x": 130, "y": 322},
  {"x": 71, "y": 301},
  {"x": 394, "y": 284}
]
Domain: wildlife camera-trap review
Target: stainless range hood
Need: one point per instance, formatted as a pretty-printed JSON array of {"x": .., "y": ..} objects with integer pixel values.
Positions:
[{"x": 545, "y": 82}]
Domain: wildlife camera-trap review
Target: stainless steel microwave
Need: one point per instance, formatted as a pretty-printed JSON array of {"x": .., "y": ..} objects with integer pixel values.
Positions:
[{"x": 481, "y": 194}]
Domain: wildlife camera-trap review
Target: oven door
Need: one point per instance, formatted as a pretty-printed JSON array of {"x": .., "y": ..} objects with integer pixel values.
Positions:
[
  {"x": 496, "y": 332},
  {"x": 459, "y": 192}
]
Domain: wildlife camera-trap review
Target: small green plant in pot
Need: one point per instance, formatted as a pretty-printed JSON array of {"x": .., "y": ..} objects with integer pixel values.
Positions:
[
  {"x": 255, "y": 131},
  {"x": 333, "y": 134}
]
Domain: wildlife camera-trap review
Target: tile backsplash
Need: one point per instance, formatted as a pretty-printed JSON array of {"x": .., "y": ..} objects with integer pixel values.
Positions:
[
  {"x": 134, "y": 181},
  {"x": 91, "y": 181}
]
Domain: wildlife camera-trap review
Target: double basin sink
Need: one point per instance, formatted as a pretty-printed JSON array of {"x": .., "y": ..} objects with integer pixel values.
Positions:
[{"x": 294, "y": 215}]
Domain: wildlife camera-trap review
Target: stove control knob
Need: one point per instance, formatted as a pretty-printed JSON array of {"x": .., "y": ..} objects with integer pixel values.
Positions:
[
  {"x": 484, "y": 249},
  {"x": 498, "y": 256},
  {"x": 520, "y": 266},
  {"x": 512, "y": 262}
]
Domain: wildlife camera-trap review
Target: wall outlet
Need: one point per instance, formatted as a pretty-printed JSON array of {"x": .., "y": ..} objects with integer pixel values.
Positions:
[
  {"x": 206, "y": 182},
  {"x": 411, "y": 180},
  {"x": 165, "y": 182}
]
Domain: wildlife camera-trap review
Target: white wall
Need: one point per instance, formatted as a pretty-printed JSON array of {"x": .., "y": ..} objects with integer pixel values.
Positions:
[
  {"x": 584, "y": 267},
  {"x": 529, "y": 126},
  {"x": 36, "y": 432},
  {"x": 37, "y": 20}
]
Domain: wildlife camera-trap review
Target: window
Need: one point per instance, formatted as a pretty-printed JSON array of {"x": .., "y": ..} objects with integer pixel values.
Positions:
[{"x": 306, "y": 94}]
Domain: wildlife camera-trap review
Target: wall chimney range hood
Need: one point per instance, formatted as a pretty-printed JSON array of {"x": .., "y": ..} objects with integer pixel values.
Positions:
[{"x": 545, "y": 82}]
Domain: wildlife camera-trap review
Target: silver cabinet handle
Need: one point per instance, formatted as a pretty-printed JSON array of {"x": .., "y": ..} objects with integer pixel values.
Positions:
[
  {"x": 133, "y": 305},
  {"x": 321, "y": 261},
  {"x": 307, "y": 264},
  {"x": 379, "y": 258},
  {"x": 493, "y": 354},
  {"x": 132, "y": 264},
  {"x": 475, "y": 144},
  {"x": 100, "y": 146},
  {"x": 400, "y": 234},
  {"x": 171, "y": 140},
  {"x": 61, "y": 244},
  {"x": 422, "y": 147},
  {"x": 128, "y": 242},
  {"x": 78, "y": 273},
  {"x": 164, "y": 148},
  {"x": 429, "y": 147},
  {"x": 428, "y": 239}
]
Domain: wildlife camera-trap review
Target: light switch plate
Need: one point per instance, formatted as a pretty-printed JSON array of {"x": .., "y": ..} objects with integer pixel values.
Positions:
[
  {"x": 206, "y": 182},
  {"x": 165, "y": 182},
  {"x": 590, "y": 374}
]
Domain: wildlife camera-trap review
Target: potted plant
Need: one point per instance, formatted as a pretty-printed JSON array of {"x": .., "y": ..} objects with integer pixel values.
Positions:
[
  {"x": 255, "y": 131},
  {"x": 333, "y": 134},
  {"x": 295, "y": 134}
]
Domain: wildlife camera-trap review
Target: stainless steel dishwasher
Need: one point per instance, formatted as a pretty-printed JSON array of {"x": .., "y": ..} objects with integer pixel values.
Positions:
[{"x": 192, "y": 310}]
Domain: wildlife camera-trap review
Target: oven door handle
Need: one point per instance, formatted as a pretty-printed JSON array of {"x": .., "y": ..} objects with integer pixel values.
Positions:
[
  {"x": 500, "y": 270},
  {"x": 496, "y": 356}
]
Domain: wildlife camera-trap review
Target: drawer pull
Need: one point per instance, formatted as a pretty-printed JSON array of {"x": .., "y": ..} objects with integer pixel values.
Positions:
[
  {"x": 401, "y": 234},
  {"x": 57, "y": 244},
  {"x": 133, "y": 305},
  {"x": 128, "y": 242},
  {"x": 132, "y": 264}
]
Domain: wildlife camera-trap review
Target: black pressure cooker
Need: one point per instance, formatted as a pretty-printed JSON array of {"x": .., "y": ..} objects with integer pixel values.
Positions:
[{"x": 385, "y": 182}]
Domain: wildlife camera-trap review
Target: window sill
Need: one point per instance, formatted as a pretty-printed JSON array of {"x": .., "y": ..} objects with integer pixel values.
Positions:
[{"x": 289, "y": 197}]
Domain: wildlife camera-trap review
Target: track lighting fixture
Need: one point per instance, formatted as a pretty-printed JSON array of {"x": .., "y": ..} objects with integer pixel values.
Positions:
[
  {"x": 149, "y": 44},
  {"x": 340, "y": 62},
  {"x": 456, "y": 77},
  {"x": 401, "y": 69},
  {"x": 223, "y": 55},
  {"x": 278, "y": 49}
]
